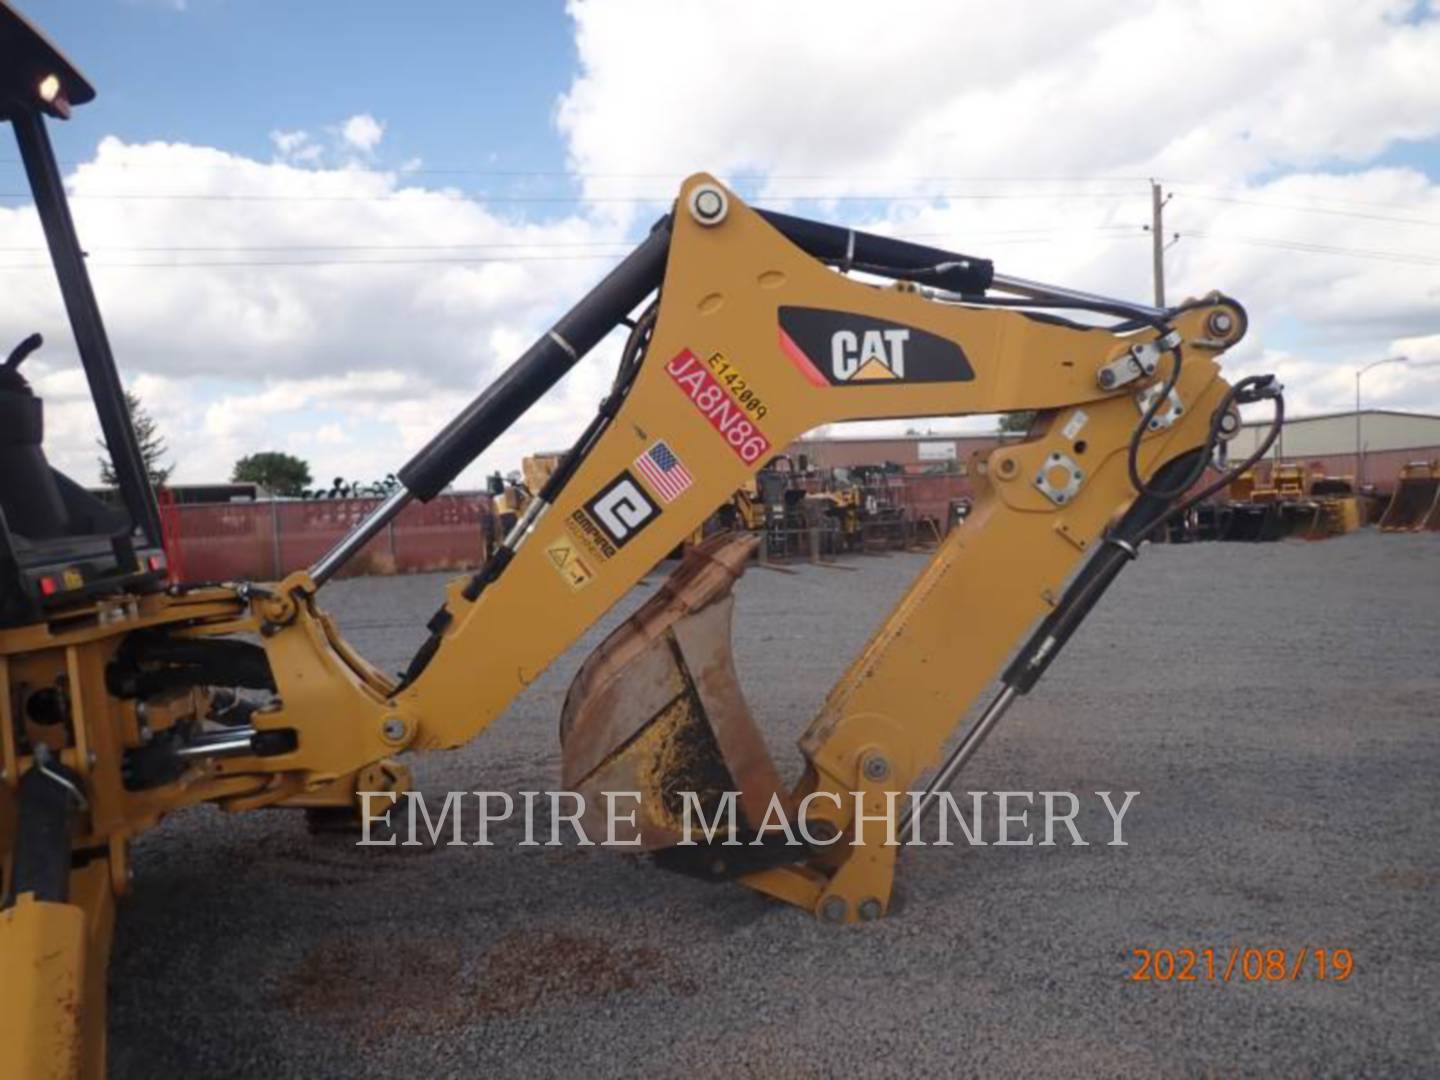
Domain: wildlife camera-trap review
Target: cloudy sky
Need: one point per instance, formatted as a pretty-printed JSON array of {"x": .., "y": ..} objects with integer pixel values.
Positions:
[{"x": 322, "y": 227}]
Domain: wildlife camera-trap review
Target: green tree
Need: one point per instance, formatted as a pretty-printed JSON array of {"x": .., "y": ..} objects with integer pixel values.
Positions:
[
  {"x": 1017, "y": 421},
  {"x": 280, "y": 473},
  {"x": 152, "y": 446}
]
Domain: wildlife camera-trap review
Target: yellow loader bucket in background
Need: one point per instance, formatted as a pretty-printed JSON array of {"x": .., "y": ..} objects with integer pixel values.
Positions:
[
  {"x": 1341, "y": 514},
  {"x": 1432, "y": 519},
  {"x": 1341, "y": 509},
  {"x": 1416, "y": 502}
]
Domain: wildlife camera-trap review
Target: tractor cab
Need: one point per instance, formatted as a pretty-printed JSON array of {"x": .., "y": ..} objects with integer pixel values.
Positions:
[{"x": 60, "y": 546}]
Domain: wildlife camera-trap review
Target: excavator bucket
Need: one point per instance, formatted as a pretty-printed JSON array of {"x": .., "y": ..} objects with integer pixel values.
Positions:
[
  {"x": 1416, "y": 502},
  {"x": 1299, "y": 517},
  {"x": 657, "y": 709},
  {"x": 1432, "y": 519}
]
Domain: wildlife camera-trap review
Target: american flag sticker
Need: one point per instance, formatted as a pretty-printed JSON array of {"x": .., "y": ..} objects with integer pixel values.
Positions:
[{"x": 664, "y": 472}]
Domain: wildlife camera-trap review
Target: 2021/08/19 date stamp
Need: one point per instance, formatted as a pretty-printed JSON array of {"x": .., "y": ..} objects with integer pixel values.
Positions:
[{"x": 1241, "y": 963}]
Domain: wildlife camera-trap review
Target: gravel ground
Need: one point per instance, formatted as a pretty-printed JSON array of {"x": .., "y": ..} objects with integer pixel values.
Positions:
[{"x": 1275, "y": 706}]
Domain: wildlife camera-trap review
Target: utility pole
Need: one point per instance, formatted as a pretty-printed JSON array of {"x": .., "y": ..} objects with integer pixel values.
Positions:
[
  {"x": 1360, "y": 446},
  {"x": 1157, "y": 239}
]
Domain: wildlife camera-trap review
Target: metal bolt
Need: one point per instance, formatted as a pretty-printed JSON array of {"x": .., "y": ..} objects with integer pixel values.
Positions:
[
  {"x": 1220, "y": 323},
  {"x": 1107, "y": 380},
  {"x": 870, "y": 909},
  {"x": 393, "y": 728},
  {"x": 707, "y": 205},
  {"x": 876, "y": 767},
  {"x": 834, "y": 909},
  {"x": 1007, "y": 466}
]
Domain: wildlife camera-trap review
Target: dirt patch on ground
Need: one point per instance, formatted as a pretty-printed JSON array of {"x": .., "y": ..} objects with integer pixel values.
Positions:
[
  {"x": 390, "y": 986},
  {"x": 1410, "y": 878},
  {"x": 528, "y": 971},
  {"x": 385, "y": 985}
]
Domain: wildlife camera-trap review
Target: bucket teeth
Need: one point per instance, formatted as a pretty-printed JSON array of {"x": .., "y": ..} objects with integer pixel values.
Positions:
[{"x": 657, "y": 709}]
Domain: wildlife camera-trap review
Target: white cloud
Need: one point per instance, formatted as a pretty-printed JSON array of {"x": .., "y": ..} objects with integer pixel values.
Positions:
[
  {"x": 1044, "y": 132},
  {"x": 844, "y": 87},
  {"x": 363, "y": 132},
  {"x": 233, "y": 357},
  {"x": 296, "y": 146}
]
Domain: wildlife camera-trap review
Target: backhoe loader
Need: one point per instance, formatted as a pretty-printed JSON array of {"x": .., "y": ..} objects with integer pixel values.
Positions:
[{"x": 126, "y": 698}]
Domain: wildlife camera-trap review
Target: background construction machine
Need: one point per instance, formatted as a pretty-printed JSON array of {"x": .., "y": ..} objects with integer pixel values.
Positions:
[
  {"x": 512, "y": 494},
  {"x": 1415, "y": 506},
  {"x": 124, "y": 700},
  {"x": 811, "y": 513},
  {"x": 1292, "y": 501}
]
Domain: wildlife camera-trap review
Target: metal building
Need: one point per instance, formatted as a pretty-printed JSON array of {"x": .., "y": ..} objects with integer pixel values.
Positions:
[
  {"x": 1370, "y": 445},
  {"x": 913, "y": 453}
]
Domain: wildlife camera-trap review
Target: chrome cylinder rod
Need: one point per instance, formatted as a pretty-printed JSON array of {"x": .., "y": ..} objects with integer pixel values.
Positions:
[
  {"x": 236, "y": 743},
  {"x": 358, "y": 537},
  {"x": 1039, "y": 291},
  {"x": 959, "y": 756}
]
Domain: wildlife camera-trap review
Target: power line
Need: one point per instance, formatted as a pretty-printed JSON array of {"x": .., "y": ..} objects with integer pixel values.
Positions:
[
  {"x": 1187, "y": 188},
  {"x": 1021, "y": 236},
  {"x": 565, "y": 174},
  {"x": 161, "y": 248},
  {"x": 1117, "y": 232},
  {"x": 1408, "y": 258},
  {"x": 478, "y": 260},
  {"x": 410, "y": 194},
  {"x": 253, "y": 263},
  {"x": 1313, "y": 209},
  {"x": 1038, "y": 232},
  {"x": 1232, "y": 195}
]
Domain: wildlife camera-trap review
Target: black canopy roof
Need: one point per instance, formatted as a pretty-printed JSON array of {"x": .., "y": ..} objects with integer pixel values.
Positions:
[{"x": 27, "y": 58}]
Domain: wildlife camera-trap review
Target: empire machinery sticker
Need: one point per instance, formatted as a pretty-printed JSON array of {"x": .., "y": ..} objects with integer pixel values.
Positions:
[
  {"x": 614, "y": 517},
  {"x": 840, "y": 348},
  {"x": 725, "y": 399}
]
